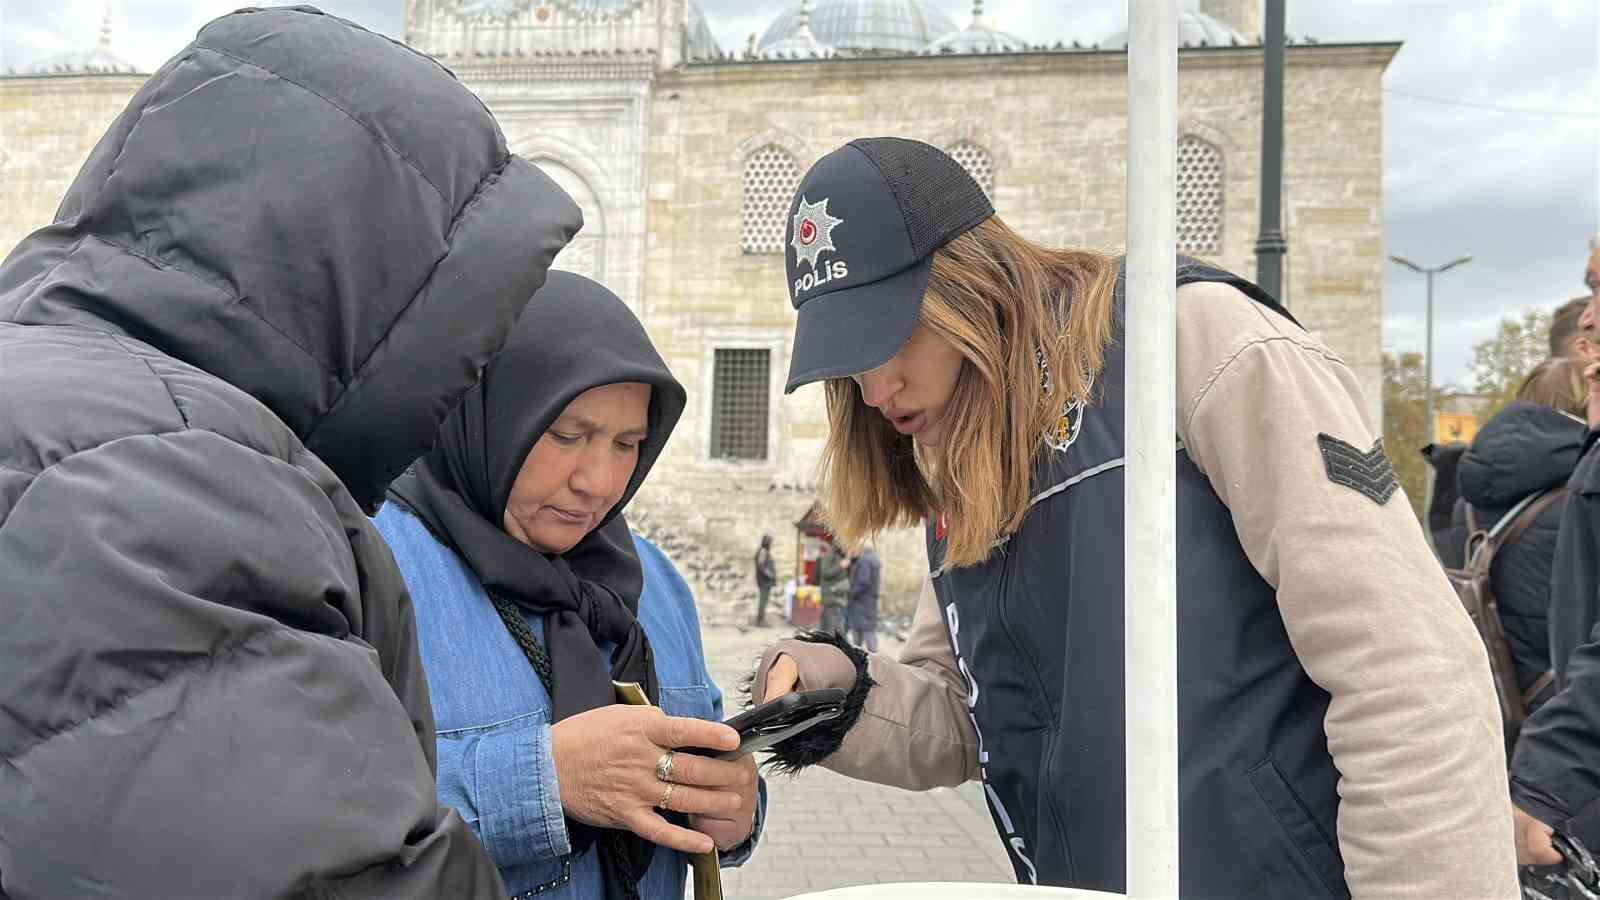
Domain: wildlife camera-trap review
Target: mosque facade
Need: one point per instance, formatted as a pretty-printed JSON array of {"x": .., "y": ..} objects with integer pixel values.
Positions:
[{"x": 684, "y": 155}]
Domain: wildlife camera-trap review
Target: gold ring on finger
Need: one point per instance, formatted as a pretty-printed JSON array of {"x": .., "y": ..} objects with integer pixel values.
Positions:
[
  {"x": 664, "y": 767},
  {"x": 666, "y": 797}
]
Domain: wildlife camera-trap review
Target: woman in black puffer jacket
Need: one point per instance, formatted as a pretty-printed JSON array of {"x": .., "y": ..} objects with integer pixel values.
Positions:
[{"x": 1529, "y": 447}]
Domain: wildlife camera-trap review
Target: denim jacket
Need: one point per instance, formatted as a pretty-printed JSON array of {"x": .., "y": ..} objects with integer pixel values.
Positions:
[{"x": 493, "y": 714}]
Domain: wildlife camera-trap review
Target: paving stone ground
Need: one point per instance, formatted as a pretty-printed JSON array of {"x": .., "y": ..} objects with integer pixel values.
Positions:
[{"x": 827, "y": 831}]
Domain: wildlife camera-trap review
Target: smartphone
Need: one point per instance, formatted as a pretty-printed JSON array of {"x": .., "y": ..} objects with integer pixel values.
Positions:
[{"x": 778, "y": 720}]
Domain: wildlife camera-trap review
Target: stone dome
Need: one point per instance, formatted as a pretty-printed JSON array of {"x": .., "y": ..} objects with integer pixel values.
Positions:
[
  {"x": 698, "y": 41},
  {"x": 864, "y": 27},
  {"x": 84, "y": 62},
  {"x": 802, "y": 43},
  {"x": 1195, "y": 29},
  {"x": 980, "y": 36},
  {"x": 98, "y": 60},
  {"x": 509, "y": 10}
]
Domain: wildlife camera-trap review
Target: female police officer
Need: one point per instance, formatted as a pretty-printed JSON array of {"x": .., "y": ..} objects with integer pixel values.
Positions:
[{"x": 1338, "y": 732}]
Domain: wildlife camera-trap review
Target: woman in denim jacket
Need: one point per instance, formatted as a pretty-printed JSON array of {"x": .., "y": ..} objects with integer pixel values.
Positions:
[{"x": 532, "y": 597}]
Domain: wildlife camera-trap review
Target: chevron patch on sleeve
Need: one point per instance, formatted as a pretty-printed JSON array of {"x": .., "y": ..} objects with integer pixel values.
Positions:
[{"x": 1368, "y": 472}]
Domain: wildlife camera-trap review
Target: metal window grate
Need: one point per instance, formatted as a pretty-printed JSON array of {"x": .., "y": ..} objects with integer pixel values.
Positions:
[
  {"x": 1199, "y": 197},
  {"x": 771, "y": 176},
  {"x": 739, "y": 403},
  {"x": 978, "y": 163}
]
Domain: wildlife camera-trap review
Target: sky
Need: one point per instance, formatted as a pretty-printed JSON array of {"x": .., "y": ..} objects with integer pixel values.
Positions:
[{"x": 1491, "y": 125}]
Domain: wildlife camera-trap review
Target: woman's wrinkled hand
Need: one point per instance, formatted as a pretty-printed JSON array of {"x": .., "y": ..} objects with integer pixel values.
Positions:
[
  {"x": 606, "y": 767},
  {"x": 731, "y": 831}
]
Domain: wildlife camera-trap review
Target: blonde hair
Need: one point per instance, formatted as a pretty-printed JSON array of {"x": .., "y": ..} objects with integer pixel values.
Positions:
[
  {"x": 1006, "y": 304},
  {"x": 1558, "y": 383}
]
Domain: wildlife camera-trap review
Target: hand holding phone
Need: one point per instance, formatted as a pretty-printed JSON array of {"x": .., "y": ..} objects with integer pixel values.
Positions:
[
  {"x": 783, "y": 676},
  {"x": 778, "y": 720}
]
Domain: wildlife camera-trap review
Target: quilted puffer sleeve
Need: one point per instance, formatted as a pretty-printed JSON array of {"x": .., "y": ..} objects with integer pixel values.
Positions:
[{"x": 196, "y": 699}]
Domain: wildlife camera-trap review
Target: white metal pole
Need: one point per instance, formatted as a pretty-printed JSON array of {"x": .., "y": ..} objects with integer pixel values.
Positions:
[{"x": 1150, "y": 521}]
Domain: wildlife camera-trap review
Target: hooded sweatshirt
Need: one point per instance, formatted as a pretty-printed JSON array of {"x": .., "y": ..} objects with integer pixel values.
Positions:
[{"x": 268, "y": 285}]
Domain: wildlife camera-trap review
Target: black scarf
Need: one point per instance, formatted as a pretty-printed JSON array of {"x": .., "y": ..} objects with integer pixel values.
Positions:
[{"x": 574, "y": 335}]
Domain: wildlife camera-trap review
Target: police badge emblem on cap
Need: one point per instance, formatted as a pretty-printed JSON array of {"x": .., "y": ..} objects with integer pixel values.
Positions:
[
  {"x": 892, "y": 203},
  {"x": 813, "y": 236}
]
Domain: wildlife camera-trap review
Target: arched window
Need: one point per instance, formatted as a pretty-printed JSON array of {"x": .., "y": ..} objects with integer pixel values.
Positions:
[
  {"x": 770, "y": 178},
  {"x": 1199, "y": 197},
  {"x": 586, "y": 253},
  {"x": 978, "y": 163}
]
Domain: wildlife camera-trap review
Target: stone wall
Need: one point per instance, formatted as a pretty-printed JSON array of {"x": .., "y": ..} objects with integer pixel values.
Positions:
[
  {"x": 663, "y": 153},
  {"x": 1055, "y": 125},
  {"x": 583, "y": 122},
  {"x": 48, "y": 125},
  {"x": 466, "y": 32}
]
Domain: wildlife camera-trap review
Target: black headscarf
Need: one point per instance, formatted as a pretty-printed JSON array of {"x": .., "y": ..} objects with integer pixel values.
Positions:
[{"x": 574, "y": 335}]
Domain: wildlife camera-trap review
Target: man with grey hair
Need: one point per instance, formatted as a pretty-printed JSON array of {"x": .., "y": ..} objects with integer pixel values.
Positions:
[{"x": 1554, "y": 781}]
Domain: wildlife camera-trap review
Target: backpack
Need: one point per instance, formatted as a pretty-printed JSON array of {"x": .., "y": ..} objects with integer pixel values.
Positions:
[{"x": 1472, "y": 585}]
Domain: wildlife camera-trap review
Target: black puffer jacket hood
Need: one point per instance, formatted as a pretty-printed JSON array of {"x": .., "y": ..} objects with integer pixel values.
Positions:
[
  {"x": 300, "y": 236},
  {"x": 1526, "y": 447},
  {"x": 348, "y": 249}
]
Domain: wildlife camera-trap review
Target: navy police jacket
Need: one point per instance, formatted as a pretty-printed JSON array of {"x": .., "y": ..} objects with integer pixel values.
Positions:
[{"x": 1038, "y": 631}]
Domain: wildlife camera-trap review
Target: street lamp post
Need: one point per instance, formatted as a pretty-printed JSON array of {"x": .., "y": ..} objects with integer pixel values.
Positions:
[
  {"x": 1270, "y": 245},
  {"x": 1428, "y": 354}
]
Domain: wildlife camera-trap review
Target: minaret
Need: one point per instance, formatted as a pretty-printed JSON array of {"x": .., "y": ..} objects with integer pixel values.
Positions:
[
  {"x": 801, "y": 43},
  {"x": 804, "y": 32},
  {"x": 105, "y": 29}
]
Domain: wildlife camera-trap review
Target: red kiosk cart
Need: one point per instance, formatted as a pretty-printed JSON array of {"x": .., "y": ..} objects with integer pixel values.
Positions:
[{"x": 811, "y": 540}]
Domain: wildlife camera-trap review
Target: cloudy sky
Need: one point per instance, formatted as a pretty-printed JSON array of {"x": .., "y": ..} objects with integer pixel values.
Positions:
[{"x": 1491, "y": 123}]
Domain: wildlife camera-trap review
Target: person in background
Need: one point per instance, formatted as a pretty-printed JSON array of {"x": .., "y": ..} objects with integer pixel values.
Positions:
[
  {"x": 766, "y": 577},
  {"x": 833, "y": 580},
  {"x": 1588, "y": 343},
  {"x": 1558, "y": 383},
  {"x": 1441, "y": 496},
  {"x": 1591, "y": 274},
  {"x": 532, "y": 597},
  {"x": 1571, "y": 337},
  {"x": 1566, "y": 337},
  {"x": 1336, "y": 714},
  {"x": 1555, "y": 773},
  {"x": 273, "y": 277},
  {"x": 1528, "y": 448},
  {"x": 862, "y": 614},
  {"x": 790, "y": 585}
]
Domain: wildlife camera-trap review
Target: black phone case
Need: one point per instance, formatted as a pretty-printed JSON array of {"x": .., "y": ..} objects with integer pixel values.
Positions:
[{"x": 781, "y": 719}]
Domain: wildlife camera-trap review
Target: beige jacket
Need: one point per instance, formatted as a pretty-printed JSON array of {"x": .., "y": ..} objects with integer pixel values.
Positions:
[{"x": 1413, "y": 725}]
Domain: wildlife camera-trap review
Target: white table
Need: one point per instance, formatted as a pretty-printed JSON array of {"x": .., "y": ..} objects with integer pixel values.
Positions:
[{"x": 951, "y": 890}]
